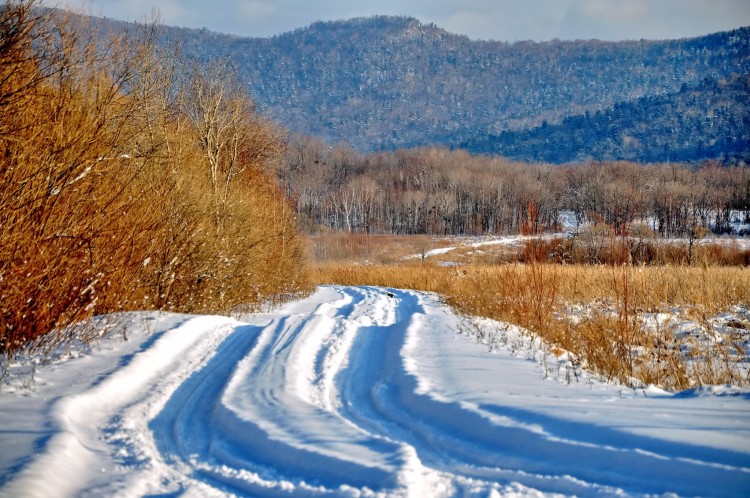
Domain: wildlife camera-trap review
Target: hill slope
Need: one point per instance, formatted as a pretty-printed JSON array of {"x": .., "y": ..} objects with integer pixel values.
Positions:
[
  {"x": 710, "y": 120},
  {"x": 382, "y": 83}
]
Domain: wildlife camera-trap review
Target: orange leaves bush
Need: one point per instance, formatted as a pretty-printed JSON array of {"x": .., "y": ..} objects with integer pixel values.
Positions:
[{"x": 105, "y": 193}]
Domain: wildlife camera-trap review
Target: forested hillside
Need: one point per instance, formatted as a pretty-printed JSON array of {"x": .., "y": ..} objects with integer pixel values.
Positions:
[
  {"x": 709, "y": 120},
  {"x": 383, "y": 83}
]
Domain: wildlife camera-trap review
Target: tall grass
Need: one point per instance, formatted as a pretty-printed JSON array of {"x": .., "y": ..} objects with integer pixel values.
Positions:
[
  {"x": 610, "y": 250},
  {"x": 596, "y": 313}
]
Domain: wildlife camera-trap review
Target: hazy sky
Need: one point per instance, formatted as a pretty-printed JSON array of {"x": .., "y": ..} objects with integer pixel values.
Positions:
[{"x": 507, "y": 20}]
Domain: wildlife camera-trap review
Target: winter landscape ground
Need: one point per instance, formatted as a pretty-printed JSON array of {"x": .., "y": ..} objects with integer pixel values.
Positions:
[
  {"x": 353, "y": 391},
  {"x": 196, "y": 301}
]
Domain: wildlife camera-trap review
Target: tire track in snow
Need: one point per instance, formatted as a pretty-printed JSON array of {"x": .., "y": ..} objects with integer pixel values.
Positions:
[
  {"x": 358, "y": 392},
  {"x": 453, "y": 449},
  {"x": 479, "y": 445},
  {"x": 290, "y": 422},
  {"x": 78, "y": 443},
  {"x": 274, "y": 427}
]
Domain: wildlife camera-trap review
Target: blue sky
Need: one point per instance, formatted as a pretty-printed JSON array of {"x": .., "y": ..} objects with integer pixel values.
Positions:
[{"x": 507, "y": 20}]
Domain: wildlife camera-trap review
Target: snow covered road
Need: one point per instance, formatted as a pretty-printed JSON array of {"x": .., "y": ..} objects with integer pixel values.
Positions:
[{"x": 354, "y": 391}]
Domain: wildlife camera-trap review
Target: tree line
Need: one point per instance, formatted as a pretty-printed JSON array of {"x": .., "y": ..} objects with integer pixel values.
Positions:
[
  {"x": 439, "y": 191},
  {"x": 129, "y": 180}
]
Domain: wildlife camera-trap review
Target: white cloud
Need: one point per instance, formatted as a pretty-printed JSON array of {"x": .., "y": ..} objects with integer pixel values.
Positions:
[
  {"x": 256, "y": 10},
  {"x": 468, "y": 22},
  {"x": 508, "y": 21},
  {"x": 609, "y": 11},
  {"x": 662, "y": 19}
]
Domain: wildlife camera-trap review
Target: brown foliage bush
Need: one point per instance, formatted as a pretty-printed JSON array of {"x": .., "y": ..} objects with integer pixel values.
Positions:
[
  {"x": 107, "y": 190},
  {"x": 600, "y": 247}
]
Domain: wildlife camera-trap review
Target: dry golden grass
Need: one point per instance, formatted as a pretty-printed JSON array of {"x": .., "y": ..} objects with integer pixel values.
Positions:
[
  {"x": 648, "y": 287},
  {"x": 604, "y": 332}
]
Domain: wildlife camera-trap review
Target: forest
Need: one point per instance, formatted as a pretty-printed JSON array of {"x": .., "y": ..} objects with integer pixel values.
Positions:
[
  {"x": 708, "y": 120},
  {"x": 439, "y": 191},
  {"x": 385, "y": 83}
]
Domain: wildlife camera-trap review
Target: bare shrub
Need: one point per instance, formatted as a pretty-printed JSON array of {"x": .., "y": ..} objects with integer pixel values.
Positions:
[{"x": 112, "y": 197}]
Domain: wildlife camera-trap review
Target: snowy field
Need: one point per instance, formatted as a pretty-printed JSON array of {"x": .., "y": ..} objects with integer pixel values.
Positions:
[{"x": 356, "y": 392}]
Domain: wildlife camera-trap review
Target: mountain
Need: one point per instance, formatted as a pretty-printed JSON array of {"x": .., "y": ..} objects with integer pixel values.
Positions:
[
  {"x": 709, "y": 120},
  {"x": 382, "y": 83}
]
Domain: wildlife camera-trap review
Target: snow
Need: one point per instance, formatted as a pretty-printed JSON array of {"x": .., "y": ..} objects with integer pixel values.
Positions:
[
  {"x": 513, "y": 241},
  {"x": 351, "y": 392}
]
